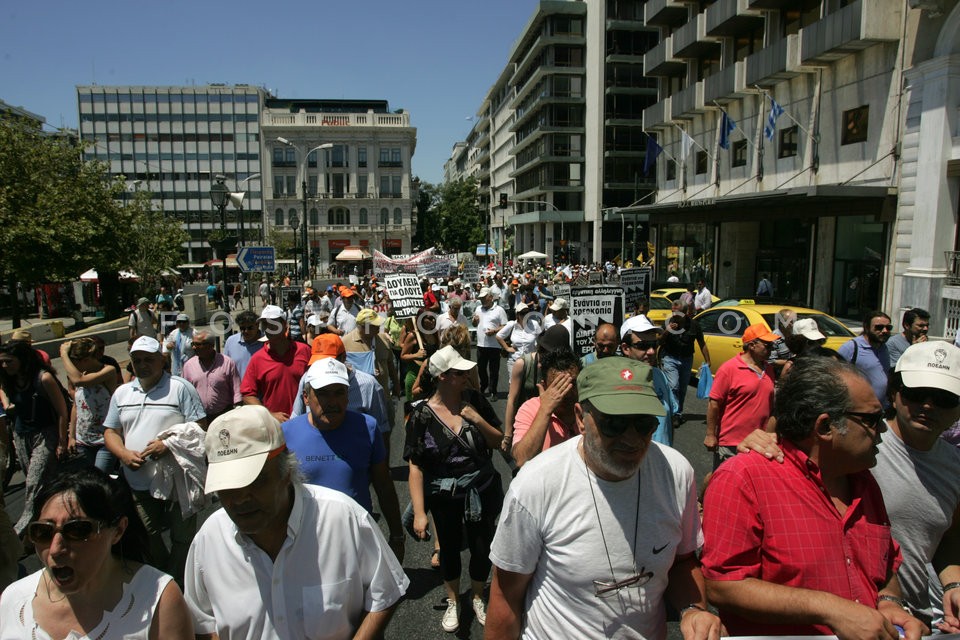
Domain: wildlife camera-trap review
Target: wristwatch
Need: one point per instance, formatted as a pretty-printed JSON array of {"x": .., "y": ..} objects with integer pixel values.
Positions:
[
  {"x": 692, "y": 605},
  {"x": 899, "y": 601}
]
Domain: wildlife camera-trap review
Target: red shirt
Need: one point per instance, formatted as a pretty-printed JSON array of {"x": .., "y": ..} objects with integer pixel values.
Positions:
[
  {"x": 276, "y": 381},
  {"x": 776, "y": 522},
  {"x": 557, "y": 431},
  {"x": 745, "y": 398}
]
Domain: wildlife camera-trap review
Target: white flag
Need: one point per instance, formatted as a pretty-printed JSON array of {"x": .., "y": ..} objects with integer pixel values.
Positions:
[{"x": 686, "y": 143}]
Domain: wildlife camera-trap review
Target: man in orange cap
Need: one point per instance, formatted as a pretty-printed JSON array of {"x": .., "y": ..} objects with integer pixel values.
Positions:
[
  {"x": 741, "y": 398},
  {"x": 343, "y": 320}
]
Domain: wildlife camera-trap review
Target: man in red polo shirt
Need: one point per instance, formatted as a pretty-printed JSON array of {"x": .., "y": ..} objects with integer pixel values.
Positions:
[
  {"x": 741, "y": 398},
  {"x": 272, "y": 378},
  {"x": 805, "y": 548}
]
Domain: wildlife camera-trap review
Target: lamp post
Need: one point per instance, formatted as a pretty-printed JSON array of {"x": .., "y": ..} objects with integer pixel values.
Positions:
[
  {"x": 302, "y": 174},
  {"x": 294, "y": 223},
  {"x": 219, "y": 195},
  {"x": 237, "y": 200}
]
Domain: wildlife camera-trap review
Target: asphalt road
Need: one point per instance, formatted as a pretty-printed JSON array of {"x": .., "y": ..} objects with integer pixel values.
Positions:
[{"x": 418, "y": 616}]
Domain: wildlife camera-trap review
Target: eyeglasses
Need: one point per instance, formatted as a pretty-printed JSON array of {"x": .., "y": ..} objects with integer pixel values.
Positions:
[
  {"x": 883, "y": 327},
  {"x": 78, "y": 530},
  {"x": 614, "y": 427},
  {"x": 603, "y": 589},
  {"x": 871, "y": 421},
  {"x": 643, "y": 345},
  {"x": 937, "y": 397}
]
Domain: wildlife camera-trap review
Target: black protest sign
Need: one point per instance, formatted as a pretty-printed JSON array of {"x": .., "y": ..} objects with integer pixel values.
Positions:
[
  {"x": 590, "y": 306},
  {"x": 405, "y": 294},
  {"x": 636, "y": 285}
]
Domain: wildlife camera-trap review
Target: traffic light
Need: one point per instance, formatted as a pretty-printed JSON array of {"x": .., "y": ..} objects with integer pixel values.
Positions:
[{"x": 503, "y": 201}]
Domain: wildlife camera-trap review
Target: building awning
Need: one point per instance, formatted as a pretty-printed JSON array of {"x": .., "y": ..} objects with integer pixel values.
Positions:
[
  {"x": 353, "y": 254},
  {"x": 802, "y": 202},
  {"x": 216, "y": 262}
]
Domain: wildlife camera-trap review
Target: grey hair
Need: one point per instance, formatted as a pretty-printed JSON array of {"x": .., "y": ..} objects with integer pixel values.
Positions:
[
  {"x": 205, "y": 335},
  {"x": 290, "y": 467},
  {"x": 815, "y": 386}
]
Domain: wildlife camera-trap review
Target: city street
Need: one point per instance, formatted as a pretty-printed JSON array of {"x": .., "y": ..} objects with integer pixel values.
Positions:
[{"x": 418, "y": 616}]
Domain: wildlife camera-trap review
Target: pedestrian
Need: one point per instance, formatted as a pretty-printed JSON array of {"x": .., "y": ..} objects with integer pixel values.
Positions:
[
  {"x": 605, "y": 343},
  {"x": 241, "y": 346},
  {"x": 93, "y": 382},
  {"x": 572, "y": 552},
  {"x": 213, "y": 375},
  {"x": 276, "y": 538},
  {"x": 343, "y": 319},
  {"x": 868, "y": 352},
  {"x": 677, "y": 347},
  {"x": 916, "y": 324},
  {"x": 549, "y": 418},
  {"x": 519, "y": 337},
  {"x": 704, "y": 299},
  {"x": 142, "y": 322},
  {"x": 804, "y": 548},
  {"x": 639, "y": 341},
  {"x": 488, "y": 318},
  {"x": 178, "y": 345},
  {"x": 139, "y": 412},
  {"x": 764, "y": 287}
]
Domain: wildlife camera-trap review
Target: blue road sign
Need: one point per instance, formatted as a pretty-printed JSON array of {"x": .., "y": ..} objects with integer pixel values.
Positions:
[{"x": 257, "y": 259}]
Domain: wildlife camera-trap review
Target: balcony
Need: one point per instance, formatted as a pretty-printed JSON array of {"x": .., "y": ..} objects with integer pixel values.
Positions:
[
  {"x": 731, "y": 17},
  {"x": 664, "y": 13},
  {"x": 726, "y": 85},
  {"x": 657, "y": 116},
  {"x": 660, "y": 60},
  {"x": 780, "y": 61},
  {"x": 313, "y": 120},
  {"x": 853, "y": 28},
  {"x": 688, "y": 102},
  {"x": 691, "y": 40}
]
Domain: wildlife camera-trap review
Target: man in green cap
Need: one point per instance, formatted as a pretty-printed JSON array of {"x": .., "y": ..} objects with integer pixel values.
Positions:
[{"x": 599, "y": 532}]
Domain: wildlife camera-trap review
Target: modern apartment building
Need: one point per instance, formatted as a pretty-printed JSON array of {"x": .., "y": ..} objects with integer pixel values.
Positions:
[
  {"x": 849, "y": 200},
  {"x": 560, "y": 131},
  {"x": 173, "y": 142},
  {"x": 354, "y": 157}
]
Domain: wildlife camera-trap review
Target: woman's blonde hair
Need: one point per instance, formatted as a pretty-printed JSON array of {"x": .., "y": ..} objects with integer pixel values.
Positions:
[
  {"x": 458, "y": 337},
  {"x": 82, "y": 348}
]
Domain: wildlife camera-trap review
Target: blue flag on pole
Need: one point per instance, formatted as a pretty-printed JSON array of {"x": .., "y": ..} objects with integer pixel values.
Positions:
[
  {"x": 653, "y": 150},
  {"x": 727, "y": 125},
  {"x": 775, "y": 112}
]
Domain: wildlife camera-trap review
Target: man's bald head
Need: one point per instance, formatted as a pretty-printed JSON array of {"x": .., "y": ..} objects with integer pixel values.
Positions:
[{"x": 606, "y": 340}]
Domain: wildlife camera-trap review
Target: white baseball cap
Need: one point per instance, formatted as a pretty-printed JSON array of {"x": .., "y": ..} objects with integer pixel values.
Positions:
[
  {"x": 485, "y": 291},
  {"x": 933, "y": 364},
  {"x": 637, "y": 324},
  {"x": 145, "y": 343},
  {"x": 238, "y": 444},
  {"x": 807, "y": 327},
  {"x": 327, "y": 371},
  {"x": 272, "y": 312},
  {"x": 446, "y": 359},
  {"x": 558, "y": 304},
  {"x": 315, "y": 321}
]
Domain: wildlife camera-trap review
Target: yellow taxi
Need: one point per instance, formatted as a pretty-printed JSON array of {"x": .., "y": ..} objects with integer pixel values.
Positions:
[
  {"x": 660, "y": 309},
  {"x": 723, "y": 326},
  {"x": 673, "y": 294}
]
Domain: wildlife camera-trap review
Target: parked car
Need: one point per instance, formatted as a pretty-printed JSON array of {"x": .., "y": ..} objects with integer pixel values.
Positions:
[
  {"x": 660, "y": 309},
  {"x": 674, "y": 293},
  {"x": 723, "y": 326}
]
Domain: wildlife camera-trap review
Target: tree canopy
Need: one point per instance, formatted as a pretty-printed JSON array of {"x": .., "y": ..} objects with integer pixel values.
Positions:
[{"x": 449, "y": 216}]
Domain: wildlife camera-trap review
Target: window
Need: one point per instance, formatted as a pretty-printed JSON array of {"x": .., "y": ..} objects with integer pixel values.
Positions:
[
  {"x": 291, "y": 185},
  {"x": 278, "y": 218},
  {"x": 788, "y": 142},
  {"x": 340, "y": 215},
  {"x": 384, "y": 216},
  {"x": 312, "y": 159},
  {"x": 397, "y": 216},
  {"x": 855, "y": 123},
  {"x": 290, "y": 156},
  {"x": 331, "y": 217},
  {"x": 671, "y": 169},
  {"x": 362, "y": 185},
  {"x": 363, "y": 216},
  {"x": 738, "y": 156},
  {"x": 278, "y": 186},
  {"x": 396, "y": 186},
  {"x": 314, "y": 218},
  {"x": 700, "y": 161},
  {"x": 361, "y": 156},
  {"x": 338, "y": 156},
  {"x": 384, "y": 186},
  {"x": 278, "y": 156},
  {"x": 390, "y": 157},
  {"x": 312, "y": 185}
]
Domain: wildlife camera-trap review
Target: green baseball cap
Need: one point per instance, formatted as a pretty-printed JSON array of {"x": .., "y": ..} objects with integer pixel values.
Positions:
[{"x": 620, "y": 386}]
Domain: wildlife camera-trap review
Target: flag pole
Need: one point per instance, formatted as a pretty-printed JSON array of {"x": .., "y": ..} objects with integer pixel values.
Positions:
[{"x": 787, "y": 113}]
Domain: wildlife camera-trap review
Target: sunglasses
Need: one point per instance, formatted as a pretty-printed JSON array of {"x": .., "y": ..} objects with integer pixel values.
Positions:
[
  {"x": 602, "y": 589},
  {"x": 937, "y": 397},
  {"x": 643, "y": 345},
  {"x": 614, "y": 427},
  {"x": 883, "y": 327},
  {"x": 871, "y": 421},
  {"x": 78, "y": 530}
]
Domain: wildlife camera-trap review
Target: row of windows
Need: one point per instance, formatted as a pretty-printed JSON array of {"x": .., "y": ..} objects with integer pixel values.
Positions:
[
  {"x": 176, "y": 137},
  {"x": 185, "y": 98},
  {"x": 102, "y": 154},
  {"x": 337, "y": 216},
  {"x": 169, "y": 117},
  {"x": 338, "y": 184}
]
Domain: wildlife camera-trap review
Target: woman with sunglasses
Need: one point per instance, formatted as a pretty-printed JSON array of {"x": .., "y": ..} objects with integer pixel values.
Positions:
[
  {"x": 33, "y": 400},
  {"x": 93, "y": 583},
  {"x": 450, "y": 437}
]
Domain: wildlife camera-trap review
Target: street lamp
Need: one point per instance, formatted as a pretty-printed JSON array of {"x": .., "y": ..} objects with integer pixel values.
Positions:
[
  {"x": 237, "y": 200},
  {"x": 302, "y": 174},
  {"x": 219, "y": 195},
  {"x": 294, "y": 223}
]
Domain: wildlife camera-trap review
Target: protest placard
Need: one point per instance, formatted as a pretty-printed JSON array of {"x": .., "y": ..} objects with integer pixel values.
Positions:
[
  {"x": 471, "y": 272},
  {"x": 561, "y": 291},
  {"x": 589, "y": 306},
  {"x": 595, "y": 277},
  {"x": 636, "y": 285},
  {"x": 405, "y": 294}
]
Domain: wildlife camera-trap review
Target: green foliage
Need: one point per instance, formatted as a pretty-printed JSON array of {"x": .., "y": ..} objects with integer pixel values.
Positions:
[
  {"x": 150, "y": 241},
  {"x": 281, "y": 241},
  {"x": 459, "y": 217},
  {"x": 428, "y": 221}
]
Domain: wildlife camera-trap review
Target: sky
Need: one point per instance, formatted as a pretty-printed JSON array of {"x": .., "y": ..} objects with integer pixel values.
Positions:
[{"x": 435, "y": 58}]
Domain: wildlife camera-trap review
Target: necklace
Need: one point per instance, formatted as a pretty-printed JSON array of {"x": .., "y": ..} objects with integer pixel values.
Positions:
[
  {"x": 603, "y": 538},
  {"x": 46, "y": 587}
]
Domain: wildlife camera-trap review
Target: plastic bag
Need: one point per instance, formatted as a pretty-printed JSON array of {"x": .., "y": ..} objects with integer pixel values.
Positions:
[{"x": 705, "y": 382}]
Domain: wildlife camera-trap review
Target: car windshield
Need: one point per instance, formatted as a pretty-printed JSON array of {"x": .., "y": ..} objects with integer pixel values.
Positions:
[
  {"x": 657, "y": 302},
  {"x": 828, "y": 326}
]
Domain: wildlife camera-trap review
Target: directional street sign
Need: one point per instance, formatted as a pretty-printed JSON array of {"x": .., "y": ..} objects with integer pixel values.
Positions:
[{"x": 257, "y": 259}]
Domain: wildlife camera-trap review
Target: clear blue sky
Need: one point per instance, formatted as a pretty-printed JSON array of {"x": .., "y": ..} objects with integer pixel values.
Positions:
[{"x": 435, "y": 58}]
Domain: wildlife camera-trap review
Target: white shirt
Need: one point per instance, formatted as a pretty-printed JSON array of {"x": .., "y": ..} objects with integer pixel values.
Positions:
[
  {"x": 492, "y": 318},
  {"x": 702, "y": 300},
  {"x": 444, "y": 321},
  {"x": 333, "y": 566},
  {"x": 345, "y": 319}
]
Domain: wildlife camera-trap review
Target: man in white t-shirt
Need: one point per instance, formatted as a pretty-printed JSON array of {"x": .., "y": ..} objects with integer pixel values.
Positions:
[
  {"x": 599, "y": 531},
  {"x": 489, "y": 318},
  {"x": 704, "y": 299},
  {"x": 139, "y": 410},
  {"x": 283, "y": 559},
  {"x": 453, "y": 315},
  {"x": 559, "y": 314}
]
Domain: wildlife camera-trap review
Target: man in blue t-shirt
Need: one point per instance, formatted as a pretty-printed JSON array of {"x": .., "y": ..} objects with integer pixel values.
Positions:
[{"x": 341, "y": 449}]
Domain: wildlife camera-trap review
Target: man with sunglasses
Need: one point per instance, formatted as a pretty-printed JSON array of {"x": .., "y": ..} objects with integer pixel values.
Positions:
[
  {"x": 805, "y": 548},
  {"x": 868, "y": 352},
  {"x": 241, "y": 346},
  {"x": 599, "y": 532},
  {"x": 640, "y": 339},
  {"x": 917, "y": 472},
  {"x": 741, "y": 398}
]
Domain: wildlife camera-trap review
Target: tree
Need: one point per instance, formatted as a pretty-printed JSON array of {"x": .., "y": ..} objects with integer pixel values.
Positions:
[
  {"x": 153, "y": 241},
  {"x": 428, "y": 216},
  {"x": 460, "y": 219}
]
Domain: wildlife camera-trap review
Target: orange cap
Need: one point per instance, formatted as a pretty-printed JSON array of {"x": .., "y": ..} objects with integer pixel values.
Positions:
[{"x": 759, "y": 332}]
